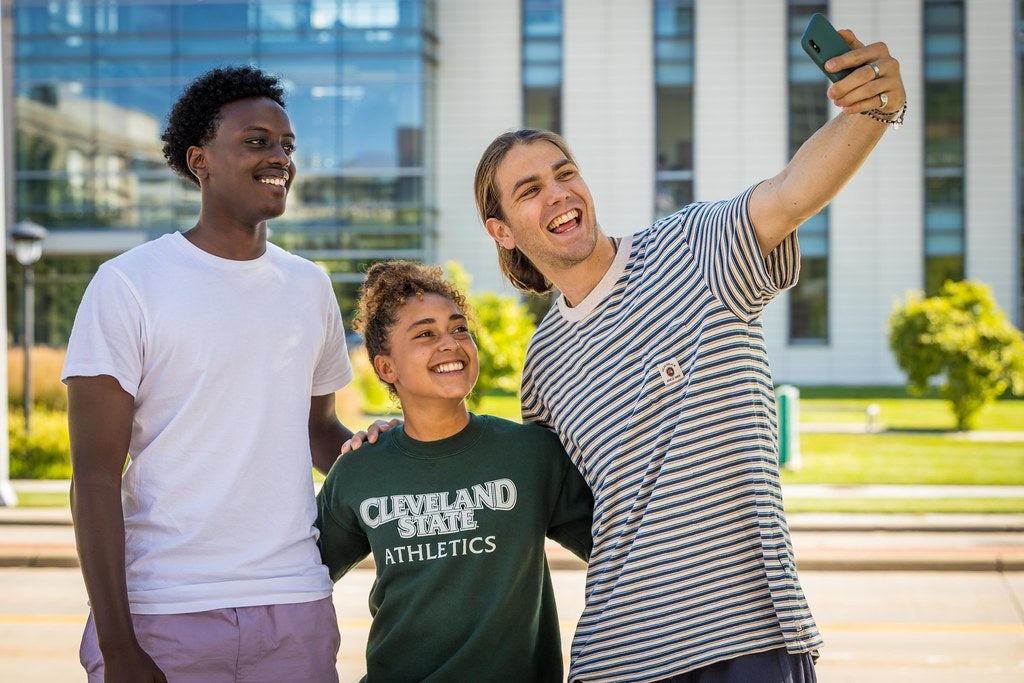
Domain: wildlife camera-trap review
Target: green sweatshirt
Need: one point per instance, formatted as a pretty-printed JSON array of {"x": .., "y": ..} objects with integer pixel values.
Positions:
[{"x": 457, "y": 529}]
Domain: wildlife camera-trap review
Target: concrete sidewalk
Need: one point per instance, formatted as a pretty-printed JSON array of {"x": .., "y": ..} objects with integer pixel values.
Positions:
[{"x": 44, "y": 537}]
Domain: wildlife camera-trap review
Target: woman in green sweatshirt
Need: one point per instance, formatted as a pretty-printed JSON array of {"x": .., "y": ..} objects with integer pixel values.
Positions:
[{"x": 454, "y": 506}]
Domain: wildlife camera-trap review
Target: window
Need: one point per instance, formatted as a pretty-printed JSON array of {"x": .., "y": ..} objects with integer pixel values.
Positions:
[
  {"x": 943, "y": 143},
  {"x": 808, "y": 111},
  {"x": 542, "y": 64},
  {"x": 673, "y": 82}
]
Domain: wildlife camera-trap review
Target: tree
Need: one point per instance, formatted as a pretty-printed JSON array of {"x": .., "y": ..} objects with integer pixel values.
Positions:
[
  {"x": 502, "y": 329},
  {"x": 962, "y": 338}
]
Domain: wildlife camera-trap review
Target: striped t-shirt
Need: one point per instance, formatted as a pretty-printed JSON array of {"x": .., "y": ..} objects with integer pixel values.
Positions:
[{"x": 658, "y": 386}]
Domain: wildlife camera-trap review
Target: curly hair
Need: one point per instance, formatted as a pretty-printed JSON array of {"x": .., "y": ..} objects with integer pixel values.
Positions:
[
  {"x": 387, "y": 287},
  {"x": 194, "y": 117}
]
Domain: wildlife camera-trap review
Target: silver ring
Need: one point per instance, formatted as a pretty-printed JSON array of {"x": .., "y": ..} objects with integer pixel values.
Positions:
[
  {"x": 885, "y": 99},
  {"x": 874, "y": 67}
]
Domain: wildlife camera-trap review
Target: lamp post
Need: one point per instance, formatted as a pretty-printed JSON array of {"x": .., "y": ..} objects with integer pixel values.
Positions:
[
  {"x": 27, "y": 241},
  {"x": 28, "y": 247}
]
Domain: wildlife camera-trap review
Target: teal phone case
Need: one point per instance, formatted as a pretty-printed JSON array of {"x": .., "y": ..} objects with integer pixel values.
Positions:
[{"x": 822, "y": 42}]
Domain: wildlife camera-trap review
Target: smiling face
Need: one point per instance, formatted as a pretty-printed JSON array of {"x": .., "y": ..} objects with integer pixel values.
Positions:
[
  {"x": 432, "y": 355},
  {"x": 548, "y": 212},
  {"x": 246, "y": 169}
]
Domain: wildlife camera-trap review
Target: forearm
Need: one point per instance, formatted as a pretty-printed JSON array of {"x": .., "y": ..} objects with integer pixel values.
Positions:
[
  {"x": 99, "y": 536},
  {"x": 99, "y": 424},
  {"x": 830, "y": 157},
  {"x": 325, "y": 444},
  {"x": 326, "y": 432},
  {"x": 818, "y": 171}
]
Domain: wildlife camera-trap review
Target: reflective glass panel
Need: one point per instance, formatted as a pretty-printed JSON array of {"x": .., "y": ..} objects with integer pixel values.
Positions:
[
  {"x": 673, "y": 105},
  {"x": 95, "y": 79},
  {"x": 218, "y": 17},
  {"x": 808, "y": 302},
  {"x": 542, "y": 64},
  {"x": 944, "y": 216},
  {"x": 808, "y": 111},
  {"x": 674, "y": 128},
  {"x": 542, "y": 108}
]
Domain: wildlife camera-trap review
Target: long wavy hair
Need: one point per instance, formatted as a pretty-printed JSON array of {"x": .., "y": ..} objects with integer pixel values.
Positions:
[{"x": 514, "y": 264}]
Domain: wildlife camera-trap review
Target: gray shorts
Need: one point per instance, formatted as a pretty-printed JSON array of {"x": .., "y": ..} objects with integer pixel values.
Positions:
[{"x": 263, "y": 644}]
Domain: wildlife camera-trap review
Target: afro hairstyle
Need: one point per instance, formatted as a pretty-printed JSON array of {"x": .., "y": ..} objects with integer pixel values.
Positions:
[{"x": 194, "y": 117}]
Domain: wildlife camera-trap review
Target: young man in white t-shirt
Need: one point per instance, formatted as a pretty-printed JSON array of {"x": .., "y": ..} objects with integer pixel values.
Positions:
[{"x": 210, "y": 358}]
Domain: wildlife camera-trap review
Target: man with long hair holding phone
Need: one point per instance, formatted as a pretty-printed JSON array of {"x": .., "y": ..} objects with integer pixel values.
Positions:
[{"x": 652, "y": 369}]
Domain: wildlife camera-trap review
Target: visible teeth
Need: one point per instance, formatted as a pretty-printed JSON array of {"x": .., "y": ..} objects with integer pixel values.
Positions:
[
  {"x": 564, "y": 218},
  {"x": 280, "y": 182},
  {"x": 449, "y": 367}
]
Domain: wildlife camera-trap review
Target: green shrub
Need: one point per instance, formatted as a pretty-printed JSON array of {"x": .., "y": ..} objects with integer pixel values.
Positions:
[
  {"x": 46, "y": 453},
  {"x": 374, "y": 397},
  {"x": 502, "y": 329},
  {"x": 962, "y": 338}
]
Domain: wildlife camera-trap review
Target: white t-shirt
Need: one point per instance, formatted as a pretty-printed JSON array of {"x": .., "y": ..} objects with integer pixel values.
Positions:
[{"x": 222, "y": 358}]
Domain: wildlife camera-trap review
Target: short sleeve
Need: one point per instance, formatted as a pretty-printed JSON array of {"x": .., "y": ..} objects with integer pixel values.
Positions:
[
  {"x": 108, "y": 335},
  {"x": 334, "y": 369},
  {"x": 571, "y": 520},
  {"x": 342, "y": 543},
  {"x": 722, "y": 238}
]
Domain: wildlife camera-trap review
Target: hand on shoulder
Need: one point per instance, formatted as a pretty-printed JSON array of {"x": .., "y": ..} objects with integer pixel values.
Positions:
[{"x": 369, "y": 435}]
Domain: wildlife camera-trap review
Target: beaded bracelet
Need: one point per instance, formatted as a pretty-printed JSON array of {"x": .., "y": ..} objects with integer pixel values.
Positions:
[{"x": 894, "y": 119}]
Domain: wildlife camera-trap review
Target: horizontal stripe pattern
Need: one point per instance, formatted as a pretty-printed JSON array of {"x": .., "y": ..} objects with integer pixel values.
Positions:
[{"x": 692, "y": 560}]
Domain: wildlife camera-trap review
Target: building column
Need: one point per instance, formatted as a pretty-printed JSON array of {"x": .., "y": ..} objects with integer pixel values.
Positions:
[
  {"x": 479, "y": 96},
  {"x": 990, "y": 111},
  {"x": 608, "y": 119}
]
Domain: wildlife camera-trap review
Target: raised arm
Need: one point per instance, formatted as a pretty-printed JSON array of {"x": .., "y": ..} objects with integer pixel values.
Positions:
[
  {"x": 100, "y": 417},
  {"x": 830, "y": 157}
]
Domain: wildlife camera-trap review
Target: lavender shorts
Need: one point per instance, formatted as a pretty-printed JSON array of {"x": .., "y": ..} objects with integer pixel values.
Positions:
[{"x": 263, "y": 644}]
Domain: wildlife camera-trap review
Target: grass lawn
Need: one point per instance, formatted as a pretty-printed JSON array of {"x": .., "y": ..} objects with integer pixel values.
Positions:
[
  {"x": 918, "y": 446},
  {"x": 38, "y": 499},
  {"x": 907, "y": 458},
  {"x": 910, "y": 413},
  {"x": 987, "y": 506},
  {"x": 897, "y": 410}
]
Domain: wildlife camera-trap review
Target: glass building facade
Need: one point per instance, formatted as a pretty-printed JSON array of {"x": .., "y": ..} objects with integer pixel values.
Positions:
[
  {"x": 808, "y": 111},
  {"x": 89, "y": 83},
  {"x": 93, "y": 81}
]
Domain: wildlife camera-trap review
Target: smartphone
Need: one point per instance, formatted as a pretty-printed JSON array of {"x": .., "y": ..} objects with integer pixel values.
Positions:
[{"x": 822, "y": 42}]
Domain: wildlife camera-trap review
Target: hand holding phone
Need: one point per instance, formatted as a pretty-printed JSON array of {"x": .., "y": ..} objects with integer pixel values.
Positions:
[{"x": 822, "y": 42}]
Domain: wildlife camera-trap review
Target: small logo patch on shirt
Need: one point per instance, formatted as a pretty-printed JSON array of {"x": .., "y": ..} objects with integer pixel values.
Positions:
[{"x": 670, "y": 372}]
